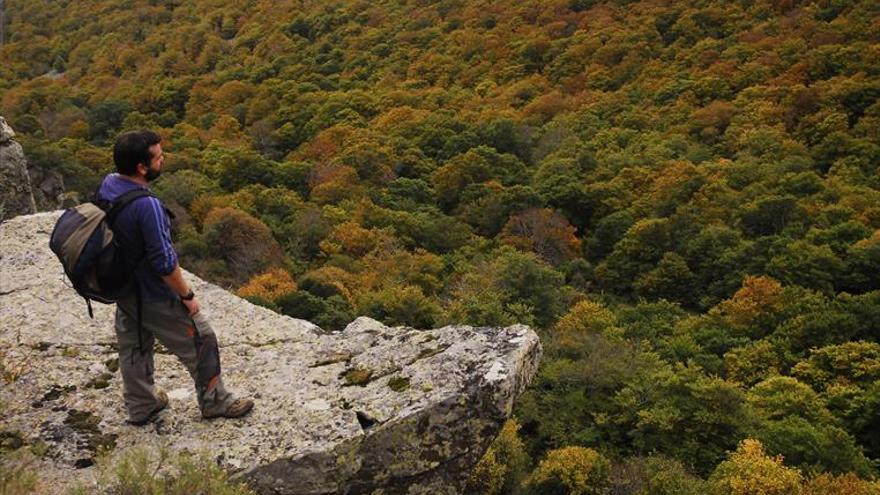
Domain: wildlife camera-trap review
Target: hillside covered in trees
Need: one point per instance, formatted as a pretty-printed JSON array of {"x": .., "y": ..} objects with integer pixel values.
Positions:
[{"x": 683, "y": 197}]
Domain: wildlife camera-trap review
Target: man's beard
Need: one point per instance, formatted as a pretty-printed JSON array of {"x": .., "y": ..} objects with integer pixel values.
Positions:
[{"x": 152, "y": 174}]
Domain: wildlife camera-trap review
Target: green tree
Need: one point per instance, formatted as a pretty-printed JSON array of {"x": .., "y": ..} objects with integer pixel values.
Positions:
[
  {"x": 106, "y": 118},
  {"x": 401, "y": 306},
  {"x": 671, "y": 280},
  {"x": 846, "y": 376},
  {"x": 807, "y": 265},
  {"x": 184, "y": 186},
  {"x": 684, "y": 413},
  {"x": 450, "y": 179}
]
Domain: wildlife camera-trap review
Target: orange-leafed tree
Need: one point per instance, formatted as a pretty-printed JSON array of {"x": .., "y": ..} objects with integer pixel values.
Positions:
[
  {"x": 758, "y": 296},
  {"x": 544, "y": 232},
  {"x": 350, "y": 239},
  {"x": 270, "y": 285},
  {"x": 242, "y": 241},
  {"x": 334, "y": 183}
]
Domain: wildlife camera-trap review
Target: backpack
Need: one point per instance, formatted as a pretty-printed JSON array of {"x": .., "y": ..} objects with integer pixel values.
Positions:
[{"x": 92, "y": 260}]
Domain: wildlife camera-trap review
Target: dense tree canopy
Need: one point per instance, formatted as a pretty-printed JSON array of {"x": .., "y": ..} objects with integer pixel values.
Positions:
[{"x": 683, "y": 197}]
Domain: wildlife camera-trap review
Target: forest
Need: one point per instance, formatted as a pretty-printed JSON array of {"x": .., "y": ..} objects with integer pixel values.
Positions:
[{"x": 681, "y": 197}]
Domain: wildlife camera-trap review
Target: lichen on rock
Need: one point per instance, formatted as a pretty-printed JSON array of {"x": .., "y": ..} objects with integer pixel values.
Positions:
[{"x": 423, "y": 407}]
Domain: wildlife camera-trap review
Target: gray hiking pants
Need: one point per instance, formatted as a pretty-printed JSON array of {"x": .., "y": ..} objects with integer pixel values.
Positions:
[{"x": 190, "y": 338}]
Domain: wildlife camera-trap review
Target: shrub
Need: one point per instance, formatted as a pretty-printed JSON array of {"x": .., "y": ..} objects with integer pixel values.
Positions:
[
  {"x": 141, "y": 472},
  {"x": 503, "y": 467},
  {"x": 488, "y": 476},
  {"x": 847, "y": 484},
  {"x": 571, "y": 471},
  {"x": 244, "y": 242},
  {"x": 184, "y": 186},
  {"x": 585, "y": 316},
  {"x": 332, "y": 313},
  {"x": 654, "y": 475},
  {"x": 15, "y": 476},
  {"x": 270, "y": 285},
  {"x": 749, "y": 471},
  {"x": 401, "y": 306}
]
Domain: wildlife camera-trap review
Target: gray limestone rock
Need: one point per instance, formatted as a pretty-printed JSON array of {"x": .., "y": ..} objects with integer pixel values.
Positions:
[
  {"x": 371, "y": 409},
  {"x": 16, "y": 197},
  {"x": 6, "y": 132}
]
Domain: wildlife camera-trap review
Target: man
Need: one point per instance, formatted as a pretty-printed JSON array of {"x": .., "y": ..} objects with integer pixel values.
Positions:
[{"x": 168, "y": 309}]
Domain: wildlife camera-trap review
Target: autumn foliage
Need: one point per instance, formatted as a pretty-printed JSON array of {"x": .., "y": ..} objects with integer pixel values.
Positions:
[
  {"x": 680, "y": 197},
  {"x": 544, "y": 232},
  {"x": 242, "y": 241},
  {"x": 749, "y": 470},
  {"x": 269, "y": 286}
]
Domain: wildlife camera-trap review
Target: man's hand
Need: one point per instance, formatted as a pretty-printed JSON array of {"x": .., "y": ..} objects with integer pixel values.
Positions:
[
  {"x": 192, "y": 305},
  {"x": 179, "y": 286}
]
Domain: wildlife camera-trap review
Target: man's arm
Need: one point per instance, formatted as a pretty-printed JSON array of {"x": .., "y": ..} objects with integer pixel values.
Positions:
[
  {"x": 159, "y": 251},
  {"x": 181, "y": 288}
]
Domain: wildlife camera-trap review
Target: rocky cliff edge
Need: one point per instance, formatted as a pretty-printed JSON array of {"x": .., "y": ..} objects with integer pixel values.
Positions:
[
  {"x": 371, "y": 409},
  {"x": 24, "y": 188},
  {"x": 16, "y": 197}
]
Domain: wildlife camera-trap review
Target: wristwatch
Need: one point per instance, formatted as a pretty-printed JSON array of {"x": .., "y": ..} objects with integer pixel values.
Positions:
[{"x": 189, "y": 296}]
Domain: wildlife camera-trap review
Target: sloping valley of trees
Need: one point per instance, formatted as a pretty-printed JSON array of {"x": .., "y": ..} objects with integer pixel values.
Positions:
[{"x": 682, "y": 197}]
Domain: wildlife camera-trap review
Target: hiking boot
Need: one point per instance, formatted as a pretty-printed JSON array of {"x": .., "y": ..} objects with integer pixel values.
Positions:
[
  {"x": 237, "y": 409},
  {"x": 162, "y": 397}
]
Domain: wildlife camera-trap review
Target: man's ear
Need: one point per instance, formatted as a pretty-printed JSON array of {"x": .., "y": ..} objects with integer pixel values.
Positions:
[{"x": 141, "y": 169}]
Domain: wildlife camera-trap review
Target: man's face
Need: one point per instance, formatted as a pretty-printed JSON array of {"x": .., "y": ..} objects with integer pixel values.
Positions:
[{"x": 156, "y": 162}]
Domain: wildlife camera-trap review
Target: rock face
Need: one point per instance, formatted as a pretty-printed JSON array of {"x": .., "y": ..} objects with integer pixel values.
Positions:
[
  {"x": 24, "y": 188},
  {"x": 16, "y": 197},
  {"x": 371, "y": 409}
]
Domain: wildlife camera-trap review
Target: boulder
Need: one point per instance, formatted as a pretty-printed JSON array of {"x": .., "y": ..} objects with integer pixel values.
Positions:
[
  {"x": 370, "y": 409},
  {"x": 16, "y": 197}
]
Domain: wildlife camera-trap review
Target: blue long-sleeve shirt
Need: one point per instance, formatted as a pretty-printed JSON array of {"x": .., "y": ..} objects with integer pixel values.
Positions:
[{"x": 143, "y": 230}]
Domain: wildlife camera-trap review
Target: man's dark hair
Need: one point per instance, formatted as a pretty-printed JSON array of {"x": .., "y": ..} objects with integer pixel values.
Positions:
[{"x": 132, "y": 148}]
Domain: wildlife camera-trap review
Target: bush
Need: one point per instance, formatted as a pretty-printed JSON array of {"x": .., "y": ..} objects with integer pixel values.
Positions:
[
  {"x": 140, "y": 472},
  {"x": 332, "y": 313},
  {"x": 749, "y": 471},
  {"x": 654, "y": 475},
  {"x": 571, "y": 471},
  {"x": 847, "y": 484},
  {"x": 270, "y": 285},
  {"x": 503, "y": 467},
  {"x": 184, "y": 186},
  {"x": 242, "y": 241},
  {"x": 585, "y": 317},
  {"x": 402, "y": 306},
  {"x": 15, "y": 476}
]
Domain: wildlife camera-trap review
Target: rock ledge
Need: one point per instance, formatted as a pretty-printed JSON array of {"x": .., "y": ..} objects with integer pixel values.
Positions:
[{"x": 369, "y": 409}]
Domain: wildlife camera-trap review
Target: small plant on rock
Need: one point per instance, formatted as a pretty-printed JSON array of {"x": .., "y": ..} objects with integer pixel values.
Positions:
[{"x": 142, "y": 472}]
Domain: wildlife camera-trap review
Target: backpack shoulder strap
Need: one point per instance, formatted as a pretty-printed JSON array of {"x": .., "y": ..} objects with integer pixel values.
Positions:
[
  {"x": 126, "y": 199},
  {"x": 98, "y": 200}
]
